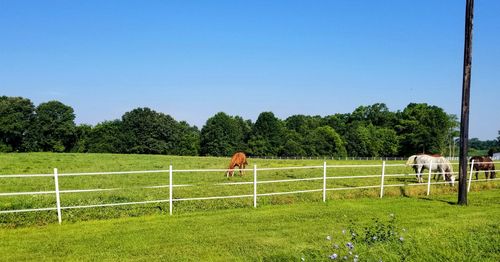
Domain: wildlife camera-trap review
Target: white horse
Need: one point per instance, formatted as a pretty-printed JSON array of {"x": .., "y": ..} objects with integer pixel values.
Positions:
[{"x": 438, "y": 163}]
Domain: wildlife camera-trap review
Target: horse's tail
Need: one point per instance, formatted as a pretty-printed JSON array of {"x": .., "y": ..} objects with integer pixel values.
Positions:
[{"x": 411, "y": 160}]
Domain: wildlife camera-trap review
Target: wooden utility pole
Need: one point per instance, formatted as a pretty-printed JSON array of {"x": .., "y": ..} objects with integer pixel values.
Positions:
[{"x": 464, "y": 122}]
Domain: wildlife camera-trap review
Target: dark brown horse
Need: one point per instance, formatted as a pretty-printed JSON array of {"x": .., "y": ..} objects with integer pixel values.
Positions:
[
  {"x": 239, "y": 160},
  {"x": 483, "y": 163}
]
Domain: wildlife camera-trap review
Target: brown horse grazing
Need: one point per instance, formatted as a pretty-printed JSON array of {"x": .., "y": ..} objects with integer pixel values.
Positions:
[
  {"x": 239, "y": 160},
  {"x": 484, "y": 163}
]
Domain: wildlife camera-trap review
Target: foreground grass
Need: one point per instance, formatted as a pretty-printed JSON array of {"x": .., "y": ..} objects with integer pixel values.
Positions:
[
  {"x": 203, "y": 184},
  {"x": 436, "y": 230}
]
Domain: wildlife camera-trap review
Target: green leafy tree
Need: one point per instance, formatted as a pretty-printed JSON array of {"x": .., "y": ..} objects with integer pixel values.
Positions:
[
  {"x": 245, "y": 127},
  {"x": 423, "y": 128},
  {"x": 338, "y": 122},
  {"x": 260, "y": 146},
  {"x": 149, "y": 132},
  {"x": 223, "y": 135},
  {"x": 293, "y": 145},
  {"x": 53, "y": 128},
  {"x": 267, "y": 137},
  {"x": 475, "y": 143},
  {"x": 107, "y": 137},
  {"x": 377, "y": 114},
  {"x": 386, "y": 141},
  {"x": 371, "y": 141},
  {"x": 82, "y": 133},
  {"x": 303, "y": 124},
  {"x": 358, "y": 140},
  {"x": 324, "y": 141},
  {"x": 16, "y": 114},
  {"x": 189, "y": 140}
]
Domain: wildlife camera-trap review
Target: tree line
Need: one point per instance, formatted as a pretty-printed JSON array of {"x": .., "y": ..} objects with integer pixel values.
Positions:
[{"x": 371, "y": 130}]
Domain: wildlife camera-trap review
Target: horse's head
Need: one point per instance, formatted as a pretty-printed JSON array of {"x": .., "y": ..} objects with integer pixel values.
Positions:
[
  {"x": 452, "y": 180},
  {"x": 449, "y": 176}
]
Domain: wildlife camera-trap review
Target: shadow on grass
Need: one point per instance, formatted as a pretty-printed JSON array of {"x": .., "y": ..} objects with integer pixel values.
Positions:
[
  {"x": 453, "y": 203},
  {"x": 402, "y": 191}
]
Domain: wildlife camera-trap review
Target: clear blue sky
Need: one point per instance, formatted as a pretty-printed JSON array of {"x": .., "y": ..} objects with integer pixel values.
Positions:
[{"x": 192, "y": 59}]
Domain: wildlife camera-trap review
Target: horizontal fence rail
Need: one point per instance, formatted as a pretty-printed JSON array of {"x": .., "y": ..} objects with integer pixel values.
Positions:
[{"x": 57, "y": 192}]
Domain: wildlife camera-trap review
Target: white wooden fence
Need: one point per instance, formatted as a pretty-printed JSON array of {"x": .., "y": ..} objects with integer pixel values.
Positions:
[{"x": 171, "y": 171}]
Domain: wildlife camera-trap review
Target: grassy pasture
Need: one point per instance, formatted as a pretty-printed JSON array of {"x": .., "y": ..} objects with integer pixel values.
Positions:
[
  {"x": 434, "y": 230},
  {"x": 203, "y": 184}
]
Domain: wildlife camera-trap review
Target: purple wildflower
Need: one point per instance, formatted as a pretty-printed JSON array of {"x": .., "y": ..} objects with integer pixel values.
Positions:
[
  {"x": 349, "y": 245},
  {"x": 401, "y": 239},
  {"x": 333, "y": 256}
]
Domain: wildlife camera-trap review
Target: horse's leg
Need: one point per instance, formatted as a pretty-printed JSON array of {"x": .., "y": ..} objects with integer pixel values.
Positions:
[
  {"x": 419, "y": 175},
  {"x": 441, "y": 173},
  {"x": 243, "y": 166},
  {"x": 416, "y": 170},
  {"x": 230, "y": 172}
]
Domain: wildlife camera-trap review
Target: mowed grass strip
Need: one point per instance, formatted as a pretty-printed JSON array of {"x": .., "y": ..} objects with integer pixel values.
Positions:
[
  {"x": 435, "y": 230},
  {"x": 130, "y": 187}
]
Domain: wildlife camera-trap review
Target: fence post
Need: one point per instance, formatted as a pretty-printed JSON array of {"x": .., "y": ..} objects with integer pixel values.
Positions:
[
  {"x": 58, "y": 196},
  {"x": 382, "y": 180},
  {"x": 429, "y": 179},
  {"x": 170, "y": 190},
  {"x": 324, "y": 181},
  {"x": 255, "y": 186},
  {"x": 470, "y": 175}
]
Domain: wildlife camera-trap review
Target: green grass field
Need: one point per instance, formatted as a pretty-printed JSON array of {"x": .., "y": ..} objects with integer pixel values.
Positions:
[
  {"x": 203, "y": 184},
  {"x": 433, "y": 230},
  {"x": 282, "y": 228}
]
